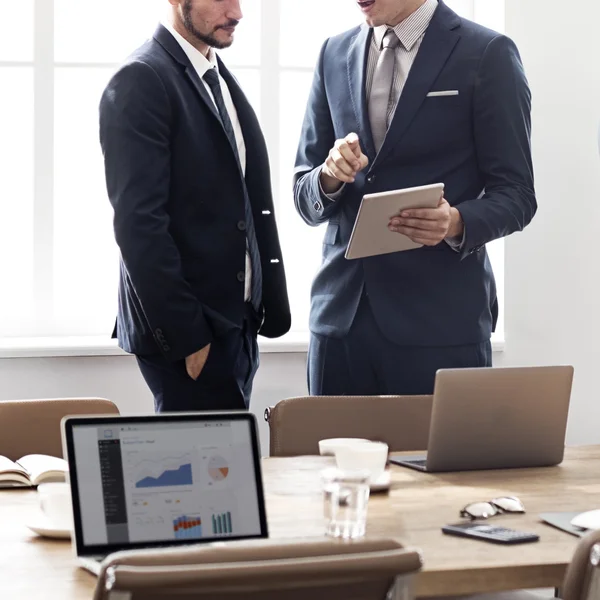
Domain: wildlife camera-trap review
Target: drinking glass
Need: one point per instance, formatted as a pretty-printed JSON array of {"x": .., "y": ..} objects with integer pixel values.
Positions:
[{"x": 345, "y": 500}]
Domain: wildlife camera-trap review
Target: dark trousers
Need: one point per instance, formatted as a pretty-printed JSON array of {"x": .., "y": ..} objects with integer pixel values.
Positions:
[
  {"x": 366, "y": 363},
  {"x": 225, "y": 382}
]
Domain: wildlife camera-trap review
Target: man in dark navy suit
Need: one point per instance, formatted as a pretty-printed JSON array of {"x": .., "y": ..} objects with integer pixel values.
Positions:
[
  {"x": 188, "y": 177},
  {"x": 415, "y": 96}
]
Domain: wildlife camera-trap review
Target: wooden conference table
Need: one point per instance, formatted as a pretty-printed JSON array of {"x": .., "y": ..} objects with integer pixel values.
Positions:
[{"x": 416, "y": 507}]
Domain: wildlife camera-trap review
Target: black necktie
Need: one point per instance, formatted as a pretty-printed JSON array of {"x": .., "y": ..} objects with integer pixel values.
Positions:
[{"x": 212, "y": 78}]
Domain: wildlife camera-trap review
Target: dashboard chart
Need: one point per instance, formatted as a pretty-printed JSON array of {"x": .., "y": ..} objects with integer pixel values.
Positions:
[
  {"x": 171, "y": 481},
  {"x": 218, "y": 468},
  {"x": 163, "y": 472},
  {"x": 221, "y": 523},
  {"x": 179, "y": 490},
  {"x": 180, "y": 476},
  {"x": 186, "y": 527}
]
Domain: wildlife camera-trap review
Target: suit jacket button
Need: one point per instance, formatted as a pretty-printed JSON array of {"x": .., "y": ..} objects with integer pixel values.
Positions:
[
  {"x": 241, "y": 225},
  {"x": 370, "y": 178},
  {"x": 241, "y": 276}
]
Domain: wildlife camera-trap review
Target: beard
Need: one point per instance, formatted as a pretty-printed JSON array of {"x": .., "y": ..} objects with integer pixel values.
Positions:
[{"x": 205, "y": 38}]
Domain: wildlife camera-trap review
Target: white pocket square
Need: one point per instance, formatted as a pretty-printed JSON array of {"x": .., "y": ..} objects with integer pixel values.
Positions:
[{"x": 444, "y": 93}]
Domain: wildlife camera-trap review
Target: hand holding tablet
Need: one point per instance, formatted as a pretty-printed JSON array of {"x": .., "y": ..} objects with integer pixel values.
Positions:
[{"x": 372, "y": 235}]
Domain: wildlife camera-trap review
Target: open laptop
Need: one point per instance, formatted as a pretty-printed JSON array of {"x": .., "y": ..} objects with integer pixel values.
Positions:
[
  {"x": 496, "y": 418},
  {"x": 164, "y": 480}
]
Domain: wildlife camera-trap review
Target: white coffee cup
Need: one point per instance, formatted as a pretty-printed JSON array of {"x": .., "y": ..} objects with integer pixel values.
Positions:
[
  {"x": 55, "y": 503},
  {"x": 330, "y": 446},
  {"x": 371, "y": 457}
]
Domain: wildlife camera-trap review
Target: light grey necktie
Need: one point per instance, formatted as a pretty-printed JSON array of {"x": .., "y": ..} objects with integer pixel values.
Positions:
[{"x": 381, "y": 88}]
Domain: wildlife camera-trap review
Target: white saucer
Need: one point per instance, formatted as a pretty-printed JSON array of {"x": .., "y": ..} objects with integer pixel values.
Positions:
[
  {"x": 39, "y": 523},
  {"x": 587, "y": 520},
  {"x": 382, "y": 483}
]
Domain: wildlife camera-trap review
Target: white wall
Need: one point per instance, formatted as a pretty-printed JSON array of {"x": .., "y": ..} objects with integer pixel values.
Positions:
[{"x": 552, "y": 270}]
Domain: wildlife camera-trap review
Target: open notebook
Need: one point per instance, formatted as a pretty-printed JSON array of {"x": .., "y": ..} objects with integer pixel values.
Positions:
[{"x": 31, "y": 470}]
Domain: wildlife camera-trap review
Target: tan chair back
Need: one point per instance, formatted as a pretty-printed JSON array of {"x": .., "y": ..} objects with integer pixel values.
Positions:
[
  {"x": 33, "y": 426},
  {"x": 582, "y": 579},
  {"x": 264, "y": 570},
  {"x": 297, "y": 424}
]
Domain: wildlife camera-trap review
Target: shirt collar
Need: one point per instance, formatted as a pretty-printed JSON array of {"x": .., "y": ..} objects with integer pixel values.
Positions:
[
  {"x": 200, "y": 62},
  {"x": 412, "y": 28}
]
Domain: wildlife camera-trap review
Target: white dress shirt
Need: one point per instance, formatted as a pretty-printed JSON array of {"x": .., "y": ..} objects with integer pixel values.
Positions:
[{"x": 201, "y": 65}]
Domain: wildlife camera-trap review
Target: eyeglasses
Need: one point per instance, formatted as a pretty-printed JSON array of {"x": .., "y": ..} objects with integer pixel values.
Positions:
[{"x": 484, "y": 510}]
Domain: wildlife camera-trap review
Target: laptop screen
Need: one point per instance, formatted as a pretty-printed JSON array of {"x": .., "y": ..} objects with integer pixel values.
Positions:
[{"x": 164, "y": 480}]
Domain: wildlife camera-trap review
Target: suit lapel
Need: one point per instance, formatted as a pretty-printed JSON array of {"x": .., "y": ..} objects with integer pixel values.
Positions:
[
  {"x": 192, "y": 75},
  {"x": 357, "y": 69},
  {"x": 257, "y": 159},
  {"x": 246, "y": 115},
  {"x": 171, "y": 45},
  {"x": 437, "y": 46}
]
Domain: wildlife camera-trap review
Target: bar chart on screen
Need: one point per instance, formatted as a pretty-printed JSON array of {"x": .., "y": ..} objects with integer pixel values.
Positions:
[
  {"x": 221, "y": 523},
  {"x": 187, "y": 527}
]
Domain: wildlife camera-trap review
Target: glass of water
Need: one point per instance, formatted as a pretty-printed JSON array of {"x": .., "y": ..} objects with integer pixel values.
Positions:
[{"x": 345, "y": 500}]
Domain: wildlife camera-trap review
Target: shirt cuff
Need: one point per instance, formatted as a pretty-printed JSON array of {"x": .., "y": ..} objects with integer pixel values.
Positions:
[
  {"x": 457, "y": 243},
  {"x": 333, "y": 197}
]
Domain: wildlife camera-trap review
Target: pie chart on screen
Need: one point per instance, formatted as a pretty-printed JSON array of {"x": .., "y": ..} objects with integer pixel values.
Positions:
[{"x": 218, "y": 468}]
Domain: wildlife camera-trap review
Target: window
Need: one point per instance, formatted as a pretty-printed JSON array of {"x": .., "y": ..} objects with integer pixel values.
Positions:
[{"x": 58, "y": 258}]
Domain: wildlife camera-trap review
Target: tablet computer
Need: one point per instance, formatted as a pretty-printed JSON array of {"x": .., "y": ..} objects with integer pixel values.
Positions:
[{"x": 371, "y": 236}]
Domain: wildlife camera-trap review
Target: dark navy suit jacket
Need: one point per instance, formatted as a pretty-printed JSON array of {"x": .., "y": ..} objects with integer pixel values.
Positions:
[
  {"x": 477, "y": 143},
  {"x": 177, "y": 191}
]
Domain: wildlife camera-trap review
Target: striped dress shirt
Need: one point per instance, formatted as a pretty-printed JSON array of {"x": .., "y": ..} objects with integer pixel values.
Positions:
[{"x": 410, "y": 32}]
